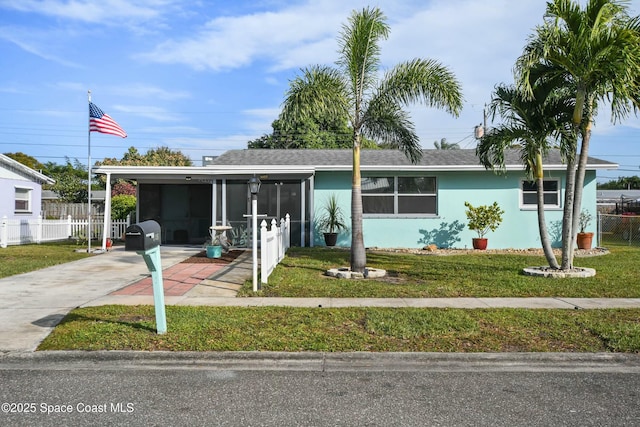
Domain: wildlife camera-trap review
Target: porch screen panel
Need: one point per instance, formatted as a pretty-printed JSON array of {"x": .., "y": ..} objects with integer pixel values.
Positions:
[
  {"x": 149, "y": 202},
  {"x": 238, "y": 205},
  {"x": 290, "y": 203}
]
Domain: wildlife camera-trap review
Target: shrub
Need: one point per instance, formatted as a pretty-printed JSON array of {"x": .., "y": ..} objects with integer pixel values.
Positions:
[
  {"x": 483, "y": 218},
  {"x": 122, "y": 205}
]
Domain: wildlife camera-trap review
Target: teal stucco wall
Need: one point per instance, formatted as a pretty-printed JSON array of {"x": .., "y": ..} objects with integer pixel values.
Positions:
[{"x": 448, "y": 229}]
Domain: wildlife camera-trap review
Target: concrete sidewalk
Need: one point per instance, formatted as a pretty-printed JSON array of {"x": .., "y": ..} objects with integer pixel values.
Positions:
[{"x": 31, "y": 304}]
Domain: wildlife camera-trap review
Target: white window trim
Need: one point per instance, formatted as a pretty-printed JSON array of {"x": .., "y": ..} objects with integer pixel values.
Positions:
[
  {"x": 396, "y": 195},
  {"x": 29, "y": 200},
  {"x": 534, "y": 206}
]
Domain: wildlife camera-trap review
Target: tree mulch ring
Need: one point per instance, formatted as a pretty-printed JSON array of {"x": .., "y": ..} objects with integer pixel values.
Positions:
[{"x": 201, "y": 258}]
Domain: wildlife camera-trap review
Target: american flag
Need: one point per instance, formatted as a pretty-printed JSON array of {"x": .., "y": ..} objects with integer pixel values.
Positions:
[{"x": 101, "y": 122}]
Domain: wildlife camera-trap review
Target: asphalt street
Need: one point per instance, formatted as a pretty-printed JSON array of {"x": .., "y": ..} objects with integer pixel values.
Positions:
[{"x": 318, "y": 389}]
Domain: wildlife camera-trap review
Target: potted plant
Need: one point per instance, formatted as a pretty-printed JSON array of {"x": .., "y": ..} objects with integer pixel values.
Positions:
[
  {"x": 483, "y": 219},
  {"x": 584, "y": 239},
  {"x": 331, "y": 220},
  {"x": 213, "y": 247}
]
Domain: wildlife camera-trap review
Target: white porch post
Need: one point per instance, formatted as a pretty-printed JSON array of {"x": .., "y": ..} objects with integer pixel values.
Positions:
[
  {"x": 311, "y": 211},
  {"x": 223, "y": 202},
  {"x": 214, "y": 202},
  {"x": 106, "y": 224}
]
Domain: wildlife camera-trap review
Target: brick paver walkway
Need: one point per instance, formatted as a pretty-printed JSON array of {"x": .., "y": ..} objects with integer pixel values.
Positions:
[{"x": 177, "y": 280}]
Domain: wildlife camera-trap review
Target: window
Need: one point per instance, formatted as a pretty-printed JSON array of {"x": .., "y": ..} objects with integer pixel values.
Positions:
[
  {"x": 23, "y": 200},
  {"x": 551, "y": 189},
  {"x": 415, "y": 195}
]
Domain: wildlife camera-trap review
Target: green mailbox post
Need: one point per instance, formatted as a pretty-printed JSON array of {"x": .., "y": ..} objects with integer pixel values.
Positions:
[{"x": 144, "y": 238}]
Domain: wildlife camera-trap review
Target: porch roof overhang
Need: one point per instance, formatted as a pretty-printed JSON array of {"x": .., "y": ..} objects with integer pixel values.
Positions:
[{"x": 196, "y": 174}]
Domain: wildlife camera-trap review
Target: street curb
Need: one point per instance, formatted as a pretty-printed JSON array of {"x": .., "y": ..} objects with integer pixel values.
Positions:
[{"x": 322, "y": 362}]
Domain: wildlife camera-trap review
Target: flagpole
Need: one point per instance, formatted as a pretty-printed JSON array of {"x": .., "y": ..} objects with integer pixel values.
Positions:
[{"x": 89, "y": 175}]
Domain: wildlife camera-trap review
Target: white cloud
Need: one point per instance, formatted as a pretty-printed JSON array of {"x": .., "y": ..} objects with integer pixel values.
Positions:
[
  {"x": 36, "y": 43},
  {"x": 290, "y": 37},
  {"x": 149, "y": 92},
  {"x": 89, "y": 10},
  {"x": 150, "y": 112}
]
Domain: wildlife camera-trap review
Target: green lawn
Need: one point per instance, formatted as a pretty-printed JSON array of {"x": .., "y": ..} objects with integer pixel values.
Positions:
[
  {"x": 348, "y": 329},
  {"x": 24, "y": 258},
  {"x": 301, "y": 274}
]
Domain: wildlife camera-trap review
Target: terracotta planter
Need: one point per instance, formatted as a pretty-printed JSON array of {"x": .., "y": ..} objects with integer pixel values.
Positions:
[
  {"x": 480, "y": 244},
  {"x": 584, "y": 240},
  {"x": 330, "y": 239}
]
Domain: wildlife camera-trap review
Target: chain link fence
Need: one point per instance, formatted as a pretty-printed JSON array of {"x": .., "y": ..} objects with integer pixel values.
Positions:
[{"x": 619, "y": 229}]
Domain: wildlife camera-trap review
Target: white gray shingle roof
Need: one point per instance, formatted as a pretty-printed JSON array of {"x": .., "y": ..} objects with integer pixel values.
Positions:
[{"x": 372, "y": 158}]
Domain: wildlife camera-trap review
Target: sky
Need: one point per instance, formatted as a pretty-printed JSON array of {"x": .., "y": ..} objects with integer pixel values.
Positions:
[{"x": 204, "y": 76}]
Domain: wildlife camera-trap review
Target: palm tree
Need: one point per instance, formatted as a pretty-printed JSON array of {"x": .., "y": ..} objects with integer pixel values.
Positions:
[
  {"x": 595, "y": 50},
  {"x": 533, "y": 125},
  {"x": 372, "y": 103},
  {"x": 445, "y": 145}
]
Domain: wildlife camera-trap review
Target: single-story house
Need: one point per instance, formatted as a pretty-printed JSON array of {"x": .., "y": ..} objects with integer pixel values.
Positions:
[
  {"x": 405, "y": 204},
  {"x": 20, "y": 189}
]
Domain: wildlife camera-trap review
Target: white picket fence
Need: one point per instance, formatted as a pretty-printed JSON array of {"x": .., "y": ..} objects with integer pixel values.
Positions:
[
  {"x": 22, "y": 231},
  {"x": 273, "y": 245}
]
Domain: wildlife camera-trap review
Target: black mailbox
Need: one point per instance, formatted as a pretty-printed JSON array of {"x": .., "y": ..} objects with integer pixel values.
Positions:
[{"x": 142, "y": 236}]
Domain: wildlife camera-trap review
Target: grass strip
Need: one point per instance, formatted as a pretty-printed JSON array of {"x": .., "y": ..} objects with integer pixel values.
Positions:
[
  {"x": 348, "y": 329},
  {"x": 301, "y": 274}
]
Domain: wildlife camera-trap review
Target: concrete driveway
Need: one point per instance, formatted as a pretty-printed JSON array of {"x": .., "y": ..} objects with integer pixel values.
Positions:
[{"x": 31, "y": 304}]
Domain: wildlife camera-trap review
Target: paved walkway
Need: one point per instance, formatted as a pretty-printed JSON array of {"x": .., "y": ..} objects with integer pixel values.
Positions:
[{"x": 31, "y": 304}]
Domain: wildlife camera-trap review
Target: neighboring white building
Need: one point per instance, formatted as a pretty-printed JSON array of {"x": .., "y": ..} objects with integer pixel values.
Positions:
[{"x": 20, "y": 189}]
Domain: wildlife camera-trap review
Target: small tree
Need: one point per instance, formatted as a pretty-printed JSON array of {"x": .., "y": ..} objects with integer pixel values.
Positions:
[
  {"x": 123, "y": 187},
  {"x": 483, "y": 218},
  {"x": 584, "y": 220}
]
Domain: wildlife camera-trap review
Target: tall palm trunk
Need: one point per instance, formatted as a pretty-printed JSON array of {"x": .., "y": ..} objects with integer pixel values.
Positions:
[
  {"x": 573, "y": 198},
  {"x": 567, "y": 216},
  {"x": 358, "y": 253},
  {"x": 542, "y": 225},
  {"x": 580, "y": 173}
]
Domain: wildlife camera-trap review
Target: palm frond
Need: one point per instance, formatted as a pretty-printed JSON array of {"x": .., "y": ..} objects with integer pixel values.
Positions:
[
  {"x": 423, "y": 81},
  {"x": 392, "y": 126},
  {"x": 320, "y": 88},
  {"x": 359, "y": 43}
]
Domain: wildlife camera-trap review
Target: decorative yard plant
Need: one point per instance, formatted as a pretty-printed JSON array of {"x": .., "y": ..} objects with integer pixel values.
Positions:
[
  {"x": 484, "y": 218},
  {"x": 332, "y": 218}
]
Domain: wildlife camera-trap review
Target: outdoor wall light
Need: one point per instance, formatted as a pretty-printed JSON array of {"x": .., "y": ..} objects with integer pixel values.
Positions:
[{"x": 254, "y": 185}]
